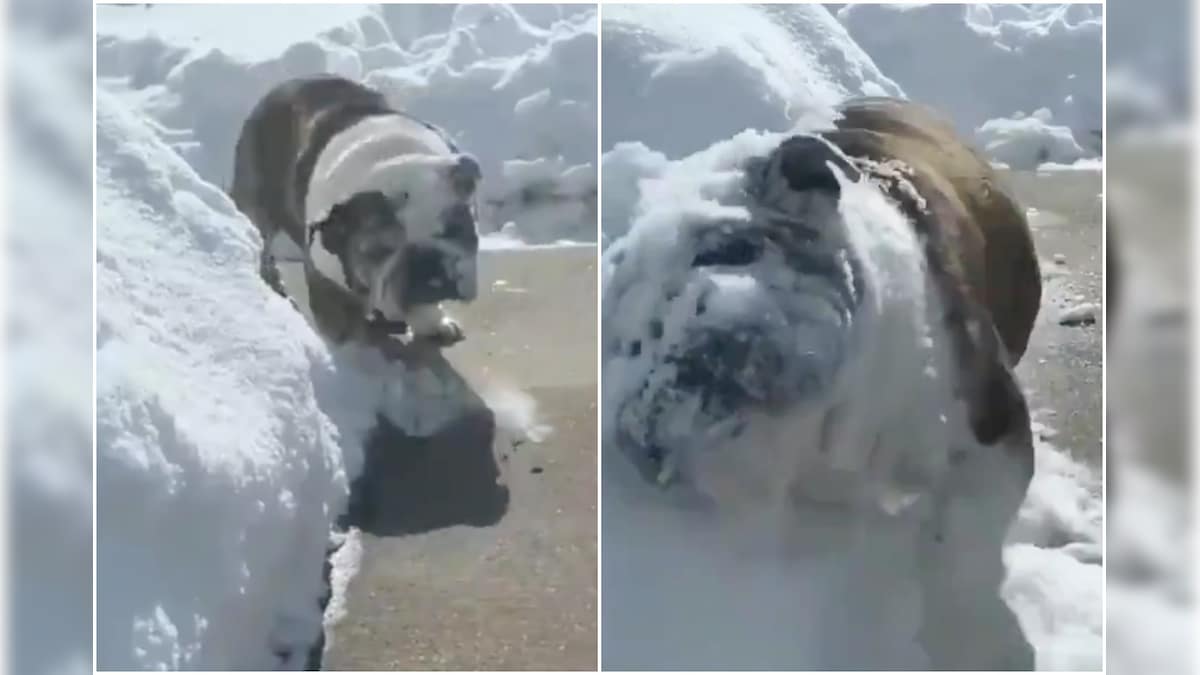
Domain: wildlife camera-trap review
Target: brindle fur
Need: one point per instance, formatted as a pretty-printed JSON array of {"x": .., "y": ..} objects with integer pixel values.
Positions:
[
  {"x": 978, "y": 246},
  {"x": 276, "y": 152}
]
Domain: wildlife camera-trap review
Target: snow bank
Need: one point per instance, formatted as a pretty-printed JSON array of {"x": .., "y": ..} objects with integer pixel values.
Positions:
[
  {"x": 226, "y": 432},
  {"x": 989, "y": 61},
  {"x": 1027, "y": 142},
  {"x": 785, "y": 67},
  {"x": 1054, "y": 558},
  {"x": 678, "y": 80},
  {"x": 513, "y": 86},
  {"x": 48, "y": 345}
]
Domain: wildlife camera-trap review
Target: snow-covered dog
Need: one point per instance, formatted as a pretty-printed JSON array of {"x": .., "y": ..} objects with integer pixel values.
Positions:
[
  {"x": 380, "y": 204},
  {"x": 840, "y": 332}
]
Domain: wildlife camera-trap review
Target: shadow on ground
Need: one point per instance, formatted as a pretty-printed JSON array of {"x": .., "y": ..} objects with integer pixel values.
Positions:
[{"x": 410, "y": 485}]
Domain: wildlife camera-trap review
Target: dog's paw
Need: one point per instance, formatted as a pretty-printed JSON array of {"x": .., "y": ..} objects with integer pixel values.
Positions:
[{"x": 448, "y": 332}]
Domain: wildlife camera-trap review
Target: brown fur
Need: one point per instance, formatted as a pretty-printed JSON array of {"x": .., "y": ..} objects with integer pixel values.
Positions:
[
  {"x": 978, "y": 244},
  {"x": 276, "y": 152}
]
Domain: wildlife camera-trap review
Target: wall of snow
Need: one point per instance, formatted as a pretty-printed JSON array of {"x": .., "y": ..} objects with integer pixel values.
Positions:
[
  {"x": 513, "y": 85},
  {"x": 779, "y": 67},
  {"x": 226, "y": 432},
  {"x": 1025, "y": 142},
  {"x": 678, "y": 80},
  {"x": 991, "y": 61}
]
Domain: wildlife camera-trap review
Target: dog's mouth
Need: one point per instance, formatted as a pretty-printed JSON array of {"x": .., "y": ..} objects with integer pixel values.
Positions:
[
  {"x": 762, "y": 323},
  {"x": 756, "y": 319}
]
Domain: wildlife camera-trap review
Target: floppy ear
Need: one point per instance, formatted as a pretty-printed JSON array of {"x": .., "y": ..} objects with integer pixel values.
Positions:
[
  {"x": 464, "y": 175},
  {"x": 996, "y": 406},
  {"x": 804, "y": 162},
  {"x": 347, "y": 216}
]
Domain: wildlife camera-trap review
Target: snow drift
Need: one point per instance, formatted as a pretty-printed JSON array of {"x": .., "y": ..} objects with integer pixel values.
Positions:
[
  {"x": 224, "y": 444},
  {"x": 1028, "y": 142},
  {"x": 738, "y": 576},
  {"x": 991, "y": 61},
  {"x": 677, "y": 80},
  {"x": 472, "y": 70}
]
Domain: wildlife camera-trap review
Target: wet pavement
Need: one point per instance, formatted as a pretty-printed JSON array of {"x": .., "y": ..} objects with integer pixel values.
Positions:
[{"x": 1062, "y": 371}]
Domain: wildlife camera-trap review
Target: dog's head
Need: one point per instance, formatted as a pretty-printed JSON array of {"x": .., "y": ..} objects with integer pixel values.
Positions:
[
  {"x": 753, "y": 307},
  {"x": 408, "y": 237}
]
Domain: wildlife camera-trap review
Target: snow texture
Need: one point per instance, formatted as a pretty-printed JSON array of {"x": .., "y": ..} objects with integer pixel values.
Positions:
[
  {"x": 515, "y": 87},
  {"x": 730, "y": 567},
  {"x": 227, "y": 430},
  {"x": 683, "y": 79},
  {"x": 1028, "y": 142},
  {"x": 982, "y": 62}
]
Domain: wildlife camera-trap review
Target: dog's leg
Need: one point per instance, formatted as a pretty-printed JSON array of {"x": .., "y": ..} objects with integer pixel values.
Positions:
[{"x": 430, "y": 322}]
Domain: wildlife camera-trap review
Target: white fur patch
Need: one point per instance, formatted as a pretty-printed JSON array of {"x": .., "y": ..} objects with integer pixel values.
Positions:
[
  {"x": 344, "y": 164},
  {"x": 402, "y": 158}
]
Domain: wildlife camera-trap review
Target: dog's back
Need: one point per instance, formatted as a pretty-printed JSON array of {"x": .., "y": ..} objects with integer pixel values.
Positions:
[
  {"x": 992, "y": 244},
  {"x": 280, "y": 143}
]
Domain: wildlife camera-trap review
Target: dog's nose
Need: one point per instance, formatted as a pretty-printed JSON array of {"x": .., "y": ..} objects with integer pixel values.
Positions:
[
  {"x": 804, "y": 162},
  {"x": 729, "y": 367},
  {"x": 465, "y": 175}
]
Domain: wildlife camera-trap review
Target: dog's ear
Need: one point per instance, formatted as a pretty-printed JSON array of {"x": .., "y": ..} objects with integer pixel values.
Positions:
[
  {"x": 804, "y": 162},
  {"x": 464, "y": 175},
  {"x": 346, "y": 217}
]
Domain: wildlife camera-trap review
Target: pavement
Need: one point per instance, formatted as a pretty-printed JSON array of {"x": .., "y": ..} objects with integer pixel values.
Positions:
[
  {"x": 479, "y": 544},
  {"x": 1062, "y": 371}
]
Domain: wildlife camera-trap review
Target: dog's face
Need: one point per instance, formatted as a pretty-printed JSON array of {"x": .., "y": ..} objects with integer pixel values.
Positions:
[
  {"x": 433, "y": 198},
  {"x": 369, "y": 244},
  {"x": 407, "y": 238},
  {"x": 754, "y": 317}
]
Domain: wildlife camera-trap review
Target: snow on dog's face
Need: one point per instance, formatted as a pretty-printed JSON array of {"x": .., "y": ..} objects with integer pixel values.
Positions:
[
  {"x": 411, "y": 235},
  {"x": 726, "y": 315}
]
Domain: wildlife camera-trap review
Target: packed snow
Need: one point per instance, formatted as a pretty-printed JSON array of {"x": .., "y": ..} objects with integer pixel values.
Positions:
[
  {"x": 690, "y": 584},
  {"x": 1026, "y": 142},
  {"x": 48, "y": 345},
  {"x": 985, "y": 65},
  {"x": 711, "y": 72},
  {"x": 514, "y": 86},
  {"x": 228, "y": 431}
]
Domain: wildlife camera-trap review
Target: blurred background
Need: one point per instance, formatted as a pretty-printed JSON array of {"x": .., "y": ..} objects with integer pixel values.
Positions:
[
  {"x": 48, "y": 336},
  {"x": 1150, "y": 222},
  {"x": 47, "y": 269}
]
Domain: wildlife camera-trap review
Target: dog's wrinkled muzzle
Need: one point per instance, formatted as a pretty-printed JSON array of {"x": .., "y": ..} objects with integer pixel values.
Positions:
[{"x": 385, "y": 297}]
